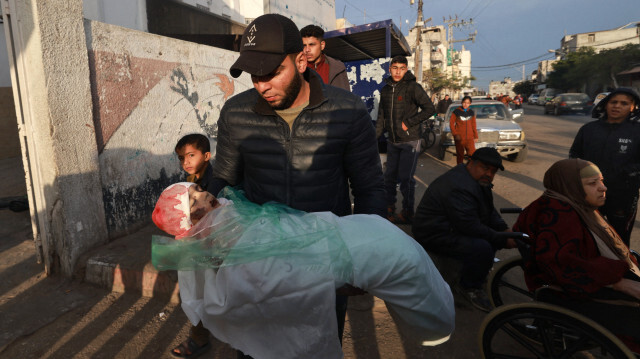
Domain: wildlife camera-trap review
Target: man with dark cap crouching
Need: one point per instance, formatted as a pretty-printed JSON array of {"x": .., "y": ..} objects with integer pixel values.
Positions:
[
  {"x": 456, "y": 218},
  {"x": 294, "y": 140}
]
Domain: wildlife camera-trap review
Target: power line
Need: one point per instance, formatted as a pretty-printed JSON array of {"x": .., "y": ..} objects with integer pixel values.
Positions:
[{"x": 509, "y": 65}]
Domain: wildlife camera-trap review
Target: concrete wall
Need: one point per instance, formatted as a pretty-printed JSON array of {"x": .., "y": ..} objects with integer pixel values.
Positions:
[
  {"x": 148, "y": 91},
  {"x": 55, "y": 94}
]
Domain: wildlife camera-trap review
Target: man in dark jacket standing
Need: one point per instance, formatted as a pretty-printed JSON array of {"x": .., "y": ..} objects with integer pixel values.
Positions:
[
  {"x": 332, "y": 71},
  {"x": 292, "y": 139},
  {"x": 613, "y": 144},
  {"x": 456, "y": 218},
  {"x": 443, "y": 105},
  {"x": 404, "y": 105}
]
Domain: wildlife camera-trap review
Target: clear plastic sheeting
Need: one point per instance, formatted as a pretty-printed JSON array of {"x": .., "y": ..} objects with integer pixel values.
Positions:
[
  {"x": 263, "y": 278},
  {"x": 244, "y": 232}
]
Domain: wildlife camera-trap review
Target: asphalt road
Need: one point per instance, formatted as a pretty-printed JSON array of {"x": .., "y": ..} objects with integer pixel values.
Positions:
[{"x": 51, "y": 318}]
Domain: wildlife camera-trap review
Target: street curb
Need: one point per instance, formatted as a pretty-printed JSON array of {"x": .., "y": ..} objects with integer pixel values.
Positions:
[{"x": 124, "y": 265}]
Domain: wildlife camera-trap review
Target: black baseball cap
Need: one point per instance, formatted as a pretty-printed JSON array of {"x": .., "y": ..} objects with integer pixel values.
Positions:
[
  {"x": 266, "y": 41},
  {"x": 488, "y": 155}
]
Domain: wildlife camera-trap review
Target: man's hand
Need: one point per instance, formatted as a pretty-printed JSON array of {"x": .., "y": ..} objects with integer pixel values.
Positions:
[
  {"x": 457, "y": 137},
  {"x": 511, "y": 243}
]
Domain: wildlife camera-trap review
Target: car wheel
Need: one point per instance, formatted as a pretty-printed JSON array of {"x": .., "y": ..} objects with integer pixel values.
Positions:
[
  {"x": 443, "y": 154},
  {"x": 519, "y": 156}
]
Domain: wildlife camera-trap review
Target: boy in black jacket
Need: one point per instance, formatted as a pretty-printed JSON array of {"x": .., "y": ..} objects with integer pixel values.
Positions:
[{"x": 194, "y": 153}]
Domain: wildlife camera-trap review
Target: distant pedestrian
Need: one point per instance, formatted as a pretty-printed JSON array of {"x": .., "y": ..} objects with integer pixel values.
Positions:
[
  {"x": 404, "y": 105},
  {"x": 613, "y": 144},
  {"x": 463, "y": 129},
  {"x": 517, "y": 101},
  {"x": 443, "y": 105},
  {"x": 332, "y": 71},
  {"x": 506, "y": 100}
]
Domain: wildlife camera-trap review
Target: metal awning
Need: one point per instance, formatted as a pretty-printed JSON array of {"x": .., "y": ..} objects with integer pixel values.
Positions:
[{"x": 375, "y": 40}]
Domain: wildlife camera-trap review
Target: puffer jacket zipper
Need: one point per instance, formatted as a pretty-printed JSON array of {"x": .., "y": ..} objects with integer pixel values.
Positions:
[{"x": 393, "y": 101}]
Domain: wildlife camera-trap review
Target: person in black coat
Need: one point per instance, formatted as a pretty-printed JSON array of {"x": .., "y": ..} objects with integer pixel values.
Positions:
[
  {"x": 613, "y": 144},
  {"x": 294, "y": 140},
  {"x": 456, "y": 218},
  {"x": 404, "y": 105}
]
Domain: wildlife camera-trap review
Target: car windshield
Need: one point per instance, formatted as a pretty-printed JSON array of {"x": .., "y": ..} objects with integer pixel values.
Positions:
[
  {"x": 577, "y": 97},
  {"x": 491, "y": 111}
]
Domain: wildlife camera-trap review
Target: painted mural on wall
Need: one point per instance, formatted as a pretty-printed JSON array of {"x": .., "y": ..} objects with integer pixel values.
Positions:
[
  {"x": 148, "y": 92},
  {"x": 366, "y": 78}
]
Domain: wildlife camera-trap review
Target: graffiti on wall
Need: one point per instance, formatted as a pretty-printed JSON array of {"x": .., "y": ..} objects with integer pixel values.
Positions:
[{"x": 142, "y": 107}]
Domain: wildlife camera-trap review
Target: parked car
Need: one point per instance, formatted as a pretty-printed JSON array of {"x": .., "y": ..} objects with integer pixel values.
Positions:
[
  {"x": 533, "y": 99},
  {"x": 547, "y": 95},
  {"x": 599, "y": 97},
  {"x": 569, "y": 103},
  {"x": 497, "y": 127}
]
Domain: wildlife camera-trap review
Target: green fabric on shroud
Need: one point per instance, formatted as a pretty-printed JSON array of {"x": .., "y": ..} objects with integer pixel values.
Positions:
[{"x": 244, "y": 232}]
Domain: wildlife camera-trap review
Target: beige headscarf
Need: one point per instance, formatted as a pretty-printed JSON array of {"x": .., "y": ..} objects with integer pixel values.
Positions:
[{"x": 563, "y": 181}]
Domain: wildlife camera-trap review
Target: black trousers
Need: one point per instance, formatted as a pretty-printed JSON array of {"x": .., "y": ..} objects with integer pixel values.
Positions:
[
  {"x": 620, "y": 210},
  {"x": 476, "y": 255}
]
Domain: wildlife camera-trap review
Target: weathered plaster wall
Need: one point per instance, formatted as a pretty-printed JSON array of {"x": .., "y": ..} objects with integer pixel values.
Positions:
[
  {"x": 56, "y": 107},
  {"x": 148, "y": 91}
]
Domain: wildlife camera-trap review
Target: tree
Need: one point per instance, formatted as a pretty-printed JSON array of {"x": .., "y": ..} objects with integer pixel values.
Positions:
[
  {"x": 586, "y": 71},
  {"x": 439, "y": 81},
  {"x": 525, "y": 88}
]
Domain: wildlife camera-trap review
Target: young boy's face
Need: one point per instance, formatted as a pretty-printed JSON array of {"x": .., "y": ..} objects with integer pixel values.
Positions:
[
  {"x": 192, "y": 160},
  {"x": 201, "y": 203}
]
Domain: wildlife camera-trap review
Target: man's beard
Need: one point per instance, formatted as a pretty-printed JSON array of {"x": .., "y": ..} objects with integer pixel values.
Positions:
[{"x": 290, "y": 93}]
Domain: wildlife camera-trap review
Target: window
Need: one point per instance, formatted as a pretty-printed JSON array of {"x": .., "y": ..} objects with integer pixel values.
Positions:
[{"x": 591, "y": 38}]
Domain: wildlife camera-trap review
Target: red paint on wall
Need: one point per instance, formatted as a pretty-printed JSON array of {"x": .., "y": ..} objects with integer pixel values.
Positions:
[{"x": 118, "y": 83}]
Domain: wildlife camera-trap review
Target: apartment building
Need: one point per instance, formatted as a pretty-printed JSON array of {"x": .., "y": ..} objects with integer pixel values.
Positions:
[{"x": 602, "y": 40}]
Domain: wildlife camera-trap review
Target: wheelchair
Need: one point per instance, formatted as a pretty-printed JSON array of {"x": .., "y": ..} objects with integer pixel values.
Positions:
[{"x": 522, "y": 327}]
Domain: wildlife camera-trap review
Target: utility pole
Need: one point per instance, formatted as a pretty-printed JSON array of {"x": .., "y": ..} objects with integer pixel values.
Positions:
[
  {"x": 451, "y": 23},
  {"x": 418, "y": 54}
]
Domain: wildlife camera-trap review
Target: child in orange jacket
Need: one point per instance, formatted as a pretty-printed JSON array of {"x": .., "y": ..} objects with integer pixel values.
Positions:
[{"x": 463, "y": 129}]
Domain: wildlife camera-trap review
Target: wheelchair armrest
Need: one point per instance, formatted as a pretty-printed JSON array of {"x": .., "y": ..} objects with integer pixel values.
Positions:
[{"x": 522, "y": 240}]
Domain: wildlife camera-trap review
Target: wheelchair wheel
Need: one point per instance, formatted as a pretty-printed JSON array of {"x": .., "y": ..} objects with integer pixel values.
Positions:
[
  {"x": 506, "y": 283},
  {"x": 540, "y": 330}
]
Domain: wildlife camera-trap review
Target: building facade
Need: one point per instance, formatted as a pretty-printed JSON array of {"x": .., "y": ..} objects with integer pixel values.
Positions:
[
  {"x": 602, "y": 40},
  {"x": 502, "y": 87}
]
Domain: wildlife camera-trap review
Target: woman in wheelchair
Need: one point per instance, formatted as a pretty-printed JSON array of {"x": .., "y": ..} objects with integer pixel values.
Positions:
[{"x": 575, "y": 251}]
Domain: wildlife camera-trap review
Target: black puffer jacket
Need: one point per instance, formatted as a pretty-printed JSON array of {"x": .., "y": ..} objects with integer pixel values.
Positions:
[
  {"x": 401, "y": 102},
  {"x": 455, "y": 204},
  {"x": 309, "y": 167},
  {"x": 614, "y": 148}
]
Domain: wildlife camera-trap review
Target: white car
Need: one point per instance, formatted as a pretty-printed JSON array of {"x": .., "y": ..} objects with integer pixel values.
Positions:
[{"x": 497, "y": 127}]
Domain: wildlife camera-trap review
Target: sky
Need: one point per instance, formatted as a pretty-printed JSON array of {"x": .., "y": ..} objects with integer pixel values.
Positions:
[{"x": 509, "y": 31}]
